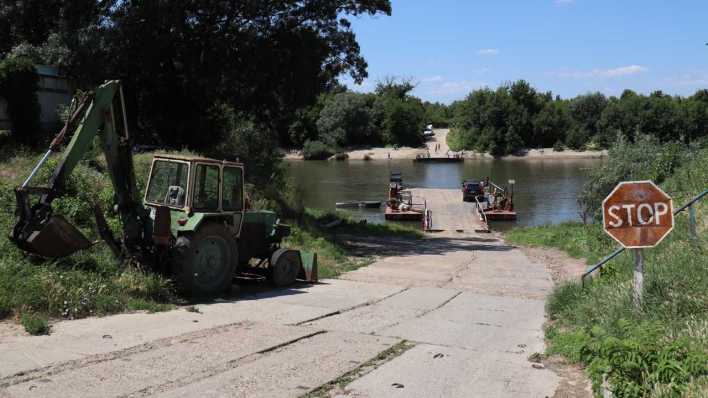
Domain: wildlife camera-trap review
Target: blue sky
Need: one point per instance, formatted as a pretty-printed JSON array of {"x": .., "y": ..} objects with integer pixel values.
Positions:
[{"x": 570, "y": 47}]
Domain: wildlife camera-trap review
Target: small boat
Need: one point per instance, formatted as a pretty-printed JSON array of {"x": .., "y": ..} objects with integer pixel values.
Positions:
[
  {"x": 439, "y": 159},
  {"x": 493, "y": 202},
  {"x": 402, "y": 215},
  {"x": 368, "y": 204},
  {"x": 500, "y": 215},
  {"x": 400, "y": 205}
]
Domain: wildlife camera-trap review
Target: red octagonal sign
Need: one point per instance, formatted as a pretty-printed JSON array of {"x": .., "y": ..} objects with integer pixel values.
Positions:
[{"x": 638, "y": 214}]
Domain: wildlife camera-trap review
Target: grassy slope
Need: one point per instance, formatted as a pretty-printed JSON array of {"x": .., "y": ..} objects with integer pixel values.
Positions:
[
  {"x": 87, "y": 283},
  {"x": 660, "y": 351},
  {"x": 333, "y": 257},
  {"x": 92, "y": 282}
]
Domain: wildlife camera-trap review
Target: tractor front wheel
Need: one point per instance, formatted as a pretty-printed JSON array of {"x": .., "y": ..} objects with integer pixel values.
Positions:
[
  {"x": 284, "y": 266},
  {"x": 206, "y": 260}
]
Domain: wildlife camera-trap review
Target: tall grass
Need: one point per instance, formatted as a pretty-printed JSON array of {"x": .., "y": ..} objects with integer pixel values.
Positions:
[
  {"x": 660, "y": 350},
  {"x": 91, "y": 282}
]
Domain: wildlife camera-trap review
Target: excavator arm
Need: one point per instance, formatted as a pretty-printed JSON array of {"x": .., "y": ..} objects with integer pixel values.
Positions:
[{"x": 100, "y": 113}]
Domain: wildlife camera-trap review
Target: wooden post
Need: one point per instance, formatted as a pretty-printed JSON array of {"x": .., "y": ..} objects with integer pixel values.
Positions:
[
  {"x": 692, "y": 223},
  {"x": 638, "y": 278}
]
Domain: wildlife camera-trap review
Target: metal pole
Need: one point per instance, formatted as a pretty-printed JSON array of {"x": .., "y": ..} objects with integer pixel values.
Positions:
[
  {"x": 692, "y": 223},
  {"x": 638, "y": 278},
  {"x": 37, "y": 167}
]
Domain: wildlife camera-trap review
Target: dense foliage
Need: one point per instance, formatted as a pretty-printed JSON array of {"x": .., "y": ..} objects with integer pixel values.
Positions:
[
  {"x": 515, "y": 117},
  {"x": 18, "y": 86},
  {"x": 339, "y": 119},
  {"x": 661, "y": 350},
  {"x": 180, "y": 58},
  {"x": 644, "y": 159}
]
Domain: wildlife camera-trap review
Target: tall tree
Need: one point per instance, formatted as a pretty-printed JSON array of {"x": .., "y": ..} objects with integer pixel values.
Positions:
[{"x": 178, "y": 58}]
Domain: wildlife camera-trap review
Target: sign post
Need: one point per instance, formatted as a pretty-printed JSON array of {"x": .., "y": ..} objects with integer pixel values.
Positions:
[
  {"x": 638, "y": 278},
  {"x": 638, "y": 215}
]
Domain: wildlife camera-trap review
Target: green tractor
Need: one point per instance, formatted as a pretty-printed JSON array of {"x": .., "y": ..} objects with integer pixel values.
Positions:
[{"x": 192, "y": 222}]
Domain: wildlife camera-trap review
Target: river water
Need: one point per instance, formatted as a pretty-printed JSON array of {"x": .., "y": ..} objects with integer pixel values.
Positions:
[{"x": 545, "y": 191}]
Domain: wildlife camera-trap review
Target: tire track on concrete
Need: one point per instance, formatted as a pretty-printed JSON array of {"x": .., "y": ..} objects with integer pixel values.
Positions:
[
  {"x": 215, "y": 370},
  {"x": 77, "y": 364},
  {"x": 54, "y": 369},
  {"x": 352, "y": 308}
]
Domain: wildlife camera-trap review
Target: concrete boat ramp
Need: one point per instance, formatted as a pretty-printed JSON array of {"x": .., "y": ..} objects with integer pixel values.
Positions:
[{"x": 452, "y": 315}]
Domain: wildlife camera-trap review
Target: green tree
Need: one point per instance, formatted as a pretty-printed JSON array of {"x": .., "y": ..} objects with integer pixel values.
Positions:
[
  {"x": 403, "y": 120},
  {"x": 660, "y": 117},
  {"x": 347, "y": 119},
  {"x": 180, "y": 57},
  {"x": 437, "y": 114},
  {"x": 586, "y": 111},
  {"x": 551, "y": 124}
]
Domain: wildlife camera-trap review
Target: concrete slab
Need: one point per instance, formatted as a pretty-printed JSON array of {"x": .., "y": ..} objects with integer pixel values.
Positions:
[
  {"x": 401, "y": 307},
  {"x": 290, "y": 371},
  {"x": 435, "y": 371},
  {"x": 333, "y": 294},
  {"x": 141, "y": 370},
  {"x": 72, "y": 340},
  {"x": 484, "y": 323}
]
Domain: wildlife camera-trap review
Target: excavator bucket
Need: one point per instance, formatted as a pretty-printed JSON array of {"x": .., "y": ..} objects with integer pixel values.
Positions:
[
  {"x": 56, "y": 238},
  {"x": 39, "y": 232}
]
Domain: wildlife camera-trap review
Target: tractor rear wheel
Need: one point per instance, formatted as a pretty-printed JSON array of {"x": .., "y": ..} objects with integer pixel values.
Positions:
[
  {"x": 206, "y": 260},
  {"x": 285, "y": 265}
]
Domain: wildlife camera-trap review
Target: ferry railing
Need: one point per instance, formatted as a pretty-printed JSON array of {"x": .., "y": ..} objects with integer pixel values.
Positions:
[
  {"x": 691, "y": 226},
  {"x": 480, "y": 211},
  {"x": 427, "y": 220}
]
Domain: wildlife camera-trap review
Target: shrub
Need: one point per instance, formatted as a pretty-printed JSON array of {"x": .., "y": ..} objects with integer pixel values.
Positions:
[
  {"x": 35, "y": 324},
  {"x": 576, "y": 138},
  {"x": 316, "y": 150},
  {"x": 644, "y": 159},
  {"x": 558, "y": 146}
]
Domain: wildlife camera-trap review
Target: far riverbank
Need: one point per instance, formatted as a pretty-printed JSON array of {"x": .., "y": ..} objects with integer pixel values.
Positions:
[{"x": 437, "y": 147}]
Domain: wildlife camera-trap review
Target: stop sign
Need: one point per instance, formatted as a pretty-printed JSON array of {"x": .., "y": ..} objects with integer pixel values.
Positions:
[{"x": 638, "y": 214}]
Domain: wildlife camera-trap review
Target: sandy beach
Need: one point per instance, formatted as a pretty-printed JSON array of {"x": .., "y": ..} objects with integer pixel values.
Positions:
[{"x": 439, "y": 141}]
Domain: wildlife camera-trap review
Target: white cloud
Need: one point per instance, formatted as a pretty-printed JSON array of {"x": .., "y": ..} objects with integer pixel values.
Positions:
[
  {"x": 604, "y": 73},
  {"x": 690, "y": 79},
  {"x": 488, "y": 51},
  {"x": 432, "y": 79},
  {"x": 564, "y": 2},
  {"x": 458, "y": 87}
]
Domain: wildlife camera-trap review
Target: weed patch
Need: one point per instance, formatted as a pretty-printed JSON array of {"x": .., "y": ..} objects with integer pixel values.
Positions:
[{"x": 35, "y": 324}]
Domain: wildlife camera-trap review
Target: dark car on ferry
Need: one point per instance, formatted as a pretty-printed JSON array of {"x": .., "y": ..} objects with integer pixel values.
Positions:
[{"x": 471, "y": 189}]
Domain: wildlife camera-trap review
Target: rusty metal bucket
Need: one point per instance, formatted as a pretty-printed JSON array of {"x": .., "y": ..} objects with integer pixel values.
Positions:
[{"x": 56, "y": 238}]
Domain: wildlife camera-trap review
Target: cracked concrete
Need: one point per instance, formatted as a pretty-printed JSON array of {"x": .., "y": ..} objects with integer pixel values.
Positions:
[{"x": 472, "y": 306}]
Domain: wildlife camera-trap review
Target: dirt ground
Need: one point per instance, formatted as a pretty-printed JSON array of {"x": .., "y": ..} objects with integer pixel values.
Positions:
[
  {"x": 439, "y": 141},
  {"x": 455, "y": 314}
]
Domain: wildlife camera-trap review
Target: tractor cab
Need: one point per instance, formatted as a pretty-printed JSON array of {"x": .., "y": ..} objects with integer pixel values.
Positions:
[{"x": 195, "y": 189}]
